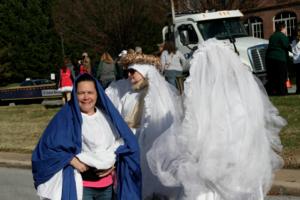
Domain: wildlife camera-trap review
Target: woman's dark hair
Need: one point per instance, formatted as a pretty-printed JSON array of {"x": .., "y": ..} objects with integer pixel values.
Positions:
[
  {"x": 170, "y": 47},
  {"x": 85, "y": 77},
  {"x": 279, "y": 26}
]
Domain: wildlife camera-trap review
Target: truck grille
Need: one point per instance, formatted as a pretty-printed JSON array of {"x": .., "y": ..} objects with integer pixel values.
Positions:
[{"x": 257, "y": 57}]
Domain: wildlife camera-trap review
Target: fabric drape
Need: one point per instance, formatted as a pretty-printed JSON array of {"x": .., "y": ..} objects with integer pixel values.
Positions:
[{"x": 61, "y": 141}]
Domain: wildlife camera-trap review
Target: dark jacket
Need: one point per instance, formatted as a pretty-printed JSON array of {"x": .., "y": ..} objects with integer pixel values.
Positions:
[{"x": 278, "y": 47}]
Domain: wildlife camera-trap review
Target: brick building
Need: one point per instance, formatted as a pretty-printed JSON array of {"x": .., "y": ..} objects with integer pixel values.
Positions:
[{"x": 260, "y": 18}]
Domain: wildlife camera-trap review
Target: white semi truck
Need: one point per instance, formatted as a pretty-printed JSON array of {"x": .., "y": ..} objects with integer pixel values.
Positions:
[{"x": 189, "y": 30}]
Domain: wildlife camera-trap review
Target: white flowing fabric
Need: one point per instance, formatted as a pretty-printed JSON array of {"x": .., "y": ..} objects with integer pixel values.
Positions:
[
  {"x": 99, "y": 141},
  {"x": 224, "y": 147},
  {"x": 52, "y": 189},
  {"x": 162, "y": 108}
]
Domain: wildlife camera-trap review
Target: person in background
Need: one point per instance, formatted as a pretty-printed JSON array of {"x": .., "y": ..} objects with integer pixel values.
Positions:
[
  {"x": 120, "y": 72},
  {"x": 72, "y": 68},
  {"x": 105, "y": 71},
  {"x": 76, "y": 155},
  {"x": 277, "y": 61},
  {"x": 138, "y": 50},
  {"x": 82, "y": 68},
  {"x": 172, "y": 62},
  {"x": 86, "y": 61},
  {"x": 65, "y": 81},
  {"x": 130, "y": 51},
  {"x": 296, "y": 60},
  {"x": 160, "y": 49},
  {"x": 149, "y": 105}
]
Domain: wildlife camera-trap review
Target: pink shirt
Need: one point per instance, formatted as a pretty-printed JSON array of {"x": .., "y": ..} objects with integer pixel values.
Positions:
[{"x": 103, "y": 182}]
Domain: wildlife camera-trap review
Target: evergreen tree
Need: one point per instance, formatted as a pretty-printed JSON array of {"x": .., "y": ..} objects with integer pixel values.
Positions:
[
  {"x": 5, "y": 73},
  {"x": 28, "y": 36}
]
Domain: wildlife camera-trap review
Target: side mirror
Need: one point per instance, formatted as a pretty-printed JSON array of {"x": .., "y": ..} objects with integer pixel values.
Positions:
[{"x": 184, "y": 37}]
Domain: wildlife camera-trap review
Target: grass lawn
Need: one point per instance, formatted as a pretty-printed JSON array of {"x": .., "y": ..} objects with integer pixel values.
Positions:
[
  {"x": 289, "y": 108},
  {"x": 22, "y": 125},
  {"x": 10, "y": 85}
]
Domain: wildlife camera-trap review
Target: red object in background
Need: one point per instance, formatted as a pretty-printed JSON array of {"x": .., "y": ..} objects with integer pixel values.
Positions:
[
  {"x": 82, "y": 69},
  {"x": 65, "y": 77},
  {"x": 288, "y": 83}
]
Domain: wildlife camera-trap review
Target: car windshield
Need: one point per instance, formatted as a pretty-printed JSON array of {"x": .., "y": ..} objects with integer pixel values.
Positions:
[
  {"x": 42, "y": 81},
  {"x": 222, "y": 28},
  {"x": 35, "y": 82},
  {"x": 27, "y": 83}
]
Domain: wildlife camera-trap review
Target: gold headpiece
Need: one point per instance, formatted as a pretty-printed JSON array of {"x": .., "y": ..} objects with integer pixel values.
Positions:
[{"x": 135, "y": 58}]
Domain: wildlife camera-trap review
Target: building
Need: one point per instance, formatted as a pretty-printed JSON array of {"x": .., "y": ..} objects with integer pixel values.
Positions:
[{"x": 260, "y": 17}]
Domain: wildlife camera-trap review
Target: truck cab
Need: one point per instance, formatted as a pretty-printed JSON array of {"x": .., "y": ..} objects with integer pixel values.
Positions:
[{"x": 189, "y": 30}]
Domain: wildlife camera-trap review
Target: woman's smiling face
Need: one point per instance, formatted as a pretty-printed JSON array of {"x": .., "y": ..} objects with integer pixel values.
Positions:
[{"x": 87, "y": 96}]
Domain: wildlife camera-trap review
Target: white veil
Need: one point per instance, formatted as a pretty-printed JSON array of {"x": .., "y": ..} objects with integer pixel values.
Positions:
[
  {"x": 226, "y": 141},
  {"x": 162, "y": 108}
]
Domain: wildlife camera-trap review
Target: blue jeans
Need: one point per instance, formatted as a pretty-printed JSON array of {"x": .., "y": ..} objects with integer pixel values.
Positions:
[
  {"x": 98, "y": 193},
  {"x": 170, "y": 76}
]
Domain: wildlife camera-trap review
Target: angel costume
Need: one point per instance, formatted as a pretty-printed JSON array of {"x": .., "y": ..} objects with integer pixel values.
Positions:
[
  {"x": 149, "y": 108},
  {"x": 225, "y": 146}
]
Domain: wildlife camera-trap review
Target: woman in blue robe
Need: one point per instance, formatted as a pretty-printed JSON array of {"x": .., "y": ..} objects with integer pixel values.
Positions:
[{"x": 53, "y": 157}]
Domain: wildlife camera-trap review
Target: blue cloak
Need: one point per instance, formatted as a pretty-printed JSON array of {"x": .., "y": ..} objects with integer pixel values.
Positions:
[{"x": 61, "y": 141}]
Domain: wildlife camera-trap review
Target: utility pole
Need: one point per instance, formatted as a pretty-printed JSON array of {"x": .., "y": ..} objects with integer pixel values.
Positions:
[
  {"x": 62, "y": 36},
  {"x": 62, "y": 43},
  {"x": 171, "y": 28},
  {"x": 173, "y": 11}
]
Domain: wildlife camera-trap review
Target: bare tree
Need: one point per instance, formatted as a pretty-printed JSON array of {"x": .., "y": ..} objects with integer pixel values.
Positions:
[
  {"x": 107, "y": 24},
  {"x": 204, "y": 5},
  {"x": 110, "y": 25}
]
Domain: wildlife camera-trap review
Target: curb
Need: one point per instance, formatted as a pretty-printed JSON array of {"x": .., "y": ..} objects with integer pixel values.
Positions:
[
  {"x": 286, "y": 182},
  {"x": 285, "y": 188},
  {"x": 15, "y": 160},
  {"x": 15, "y": 164}
]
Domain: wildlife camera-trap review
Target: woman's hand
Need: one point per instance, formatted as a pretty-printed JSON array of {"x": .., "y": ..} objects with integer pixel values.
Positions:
[
  {"x": 77, "y": 164},
  {"x": 105, "y": 172}
]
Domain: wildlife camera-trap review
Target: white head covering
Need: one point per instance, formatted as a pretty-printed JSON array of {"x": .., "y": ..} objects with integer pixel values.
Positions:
[
  {"x": 123, "y": 53},
  {"x": 138, "y": 49},
  {"x": 141, "y": 68},
  {"x": 162, "y": 106}
]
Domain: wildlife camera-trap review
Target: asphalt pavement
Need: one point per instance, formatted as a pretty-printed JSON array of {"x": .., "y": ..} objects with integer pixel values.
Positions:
[
  {"x": 287, "y": 181},
  {"x": 17, "y": 184}
]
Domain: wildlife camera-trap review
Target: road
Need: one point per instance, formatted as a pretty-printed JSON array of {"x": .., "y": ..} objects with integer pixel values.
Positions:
[{"x": 17, "y": 184}]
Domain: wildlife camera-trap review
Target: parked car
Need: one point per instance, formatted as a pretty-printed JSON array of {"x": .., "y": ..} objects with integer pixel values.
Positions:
[
  {"x": 36, "y": 82},
  {"x": 30, "y": 91}
]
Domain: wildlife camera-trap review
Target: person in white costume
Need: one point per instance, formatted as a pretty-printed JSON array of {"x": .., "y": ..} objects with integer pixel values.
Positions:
[
  {"x": 226, "y": 146},
  {"x": 296, "y": 59},
  {"x": 149, "y": 105}
]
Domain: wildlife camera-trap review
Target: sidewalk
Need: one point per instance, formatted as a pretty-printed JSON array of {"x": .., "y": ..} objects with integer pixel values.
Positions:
[
  {"x": 287, "y": 181},
  {"x": 17, "y": 160}
]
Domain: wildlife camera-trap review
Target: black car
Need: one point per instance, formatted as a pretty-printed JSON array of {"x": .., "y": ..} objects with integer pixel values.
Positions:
[
  {"x": 30, "y": 91},
  {"x": 36, "y": 82}
]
